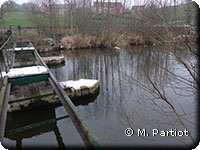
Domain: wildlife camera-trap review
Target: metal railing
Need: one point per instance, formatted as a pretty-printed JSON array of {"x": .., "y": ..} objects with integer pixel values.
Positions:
[{"x": 7, "y": 55}]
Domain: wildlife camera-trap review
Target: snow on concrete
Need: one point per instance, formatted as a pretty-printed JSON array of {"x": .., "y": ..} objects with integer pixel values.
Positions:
[
  {"x": 25, "y": 71},
  {"x": 3, "y": 74},
  {"x": 77, "y": 84},
  {"x": 23, "y": 48},
  {"x": 53, "y": 60}
]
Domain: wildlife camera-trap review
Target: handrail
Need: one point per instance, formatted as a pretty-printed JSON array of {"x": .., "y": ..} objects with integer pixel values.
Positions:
[
  {"x": 11, "y": 36},
  {"x": 7, "y": 59}
]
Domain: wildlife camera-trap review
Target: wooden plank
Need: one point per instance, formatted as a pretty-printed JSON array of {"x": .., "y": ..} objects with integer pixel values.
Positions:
[
  {"x": 4, "y": 112},
  {"x": 27, "y": 80}
]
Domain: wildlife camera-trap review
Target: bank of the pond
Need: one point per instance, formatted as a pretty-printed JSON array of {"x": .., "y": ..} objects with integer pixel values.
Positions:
[
  {"x": 46, "y": 45},
  {"x": 110, "y": 41},
  {"x": 78, "y": 41},
  {"x": 92, "y": 42}
]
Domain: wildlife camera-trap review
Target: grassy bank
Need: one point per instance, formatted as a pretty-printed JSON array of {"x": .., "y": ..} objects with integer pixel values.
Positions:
[{"x": 16, "y": 18}]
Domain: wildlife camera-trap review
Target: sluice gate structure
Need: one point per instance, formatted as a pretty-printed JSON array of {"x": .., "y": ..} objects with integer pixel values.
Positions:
[{"x": 13, "y": 72}]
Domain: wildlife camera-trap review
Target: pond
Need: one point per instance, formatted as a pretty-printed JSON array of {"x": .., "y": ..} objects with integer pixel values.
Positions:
[{"x": 142, "y": 88}]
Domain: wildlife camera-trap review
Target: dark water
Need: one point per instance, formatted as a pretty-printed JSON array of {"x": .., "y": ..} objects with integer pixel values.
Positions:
[{"x": 127, "y": 99}]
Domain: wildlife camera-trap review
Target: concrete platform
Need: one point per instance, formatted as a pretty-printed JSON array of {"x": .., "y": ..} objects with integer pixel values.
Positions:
[
  {"x": 81, "y": 92},
  {"x": 25, "y": 71},
  {"x": 54, "y": 60},
  {"x": 81, "y": 87}
]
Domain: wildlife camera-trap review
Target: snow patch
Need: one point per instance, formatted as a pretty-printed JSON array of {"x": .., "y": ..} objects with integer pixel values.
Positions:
[
  {"x": 25, "y": 71},
  {"x": 23, "y": 48},
  {"x": 77, "y": 84}
]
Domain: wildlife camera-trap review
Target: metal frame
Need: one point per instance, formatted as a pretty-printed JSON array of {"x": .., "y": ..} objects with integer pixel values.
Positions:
[
  {"x": 30, "y": 98},
  {"x": 87, "y": 136},
  {"x": 9, "y": 62},
  {"x": 4, "y": 112},
  {"x": 35, "y": 125},
  {"x": 90, "y": 140},
  {"x": 29, "y": 79}
]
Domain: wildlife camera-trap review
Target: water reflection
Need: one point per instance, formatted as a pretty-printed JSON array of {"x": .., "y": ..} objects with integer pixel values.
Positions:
[
  {"x": 128, "y": 96},
  {"x": 14, "y": 121},
  {"x": 37, "y": 117}
]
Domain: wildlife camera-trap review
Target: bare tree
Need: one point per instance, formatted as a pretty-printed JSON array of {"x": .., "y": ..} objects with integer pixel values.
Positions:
[
  {"x": 5, "y": 7},
  {"x": 45, "y": 15},
  {"x": 157, "y": 17}
]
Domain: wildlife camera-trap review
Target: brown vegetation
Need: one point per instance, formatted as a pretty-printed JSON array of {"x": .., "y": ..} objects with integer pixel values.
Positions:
[
  {"x": 3, "y": 37},
  {"x": 81, "y": 42},
  {"x": 78, "y": 26}
]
